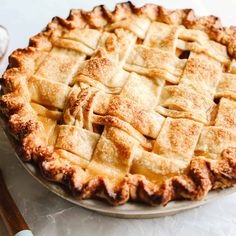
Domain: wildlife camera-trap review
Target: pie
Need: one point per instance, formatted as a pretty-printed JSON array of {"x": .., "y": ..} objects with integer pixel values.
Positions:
[{"x": 133, "y": 104}]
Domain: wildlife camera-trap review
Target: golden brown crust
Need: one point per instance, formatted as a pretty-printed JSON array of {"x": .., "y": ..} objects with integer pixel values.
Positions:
[{"x": 203, "y": 174}]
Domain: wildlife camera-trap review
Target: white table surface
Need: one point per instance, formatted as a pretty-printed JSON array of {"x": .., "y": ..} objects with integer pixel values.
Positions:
[{"x": 48, "y": 214}]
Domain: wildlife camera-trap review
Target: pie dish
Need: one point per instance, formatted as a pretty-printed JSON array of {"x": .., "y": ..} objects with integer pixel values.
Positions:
[
  {"x": 3, "y": 41},
  {"x": 136, "y": 104}
]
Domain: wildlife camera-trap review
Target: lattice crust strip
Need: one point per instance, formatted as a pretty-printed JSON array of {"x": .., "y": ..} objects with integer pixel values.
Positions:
[{"x": 138, "y": 103}]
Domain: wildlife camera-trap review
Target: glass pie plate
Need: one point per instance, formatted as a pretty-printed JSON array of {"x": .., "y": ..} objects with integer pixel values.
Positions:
[{"x": 128, "y": 210}]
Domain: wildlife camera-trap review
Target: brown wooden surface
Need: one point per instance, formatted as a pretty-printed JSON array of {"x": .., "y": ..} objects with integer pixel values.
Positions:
[{"x": 9, "y": 212}]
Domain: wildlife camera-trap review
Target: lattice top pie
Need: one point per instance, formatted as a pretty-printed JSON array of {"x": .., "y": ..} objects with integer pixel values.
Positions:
[{"x": 138, "y": 103}]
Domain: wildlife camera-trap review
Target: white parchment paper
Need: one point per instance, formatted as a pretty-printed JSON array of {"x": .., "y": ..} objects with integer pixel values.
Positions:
[{"x": 48, "y": 214}]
